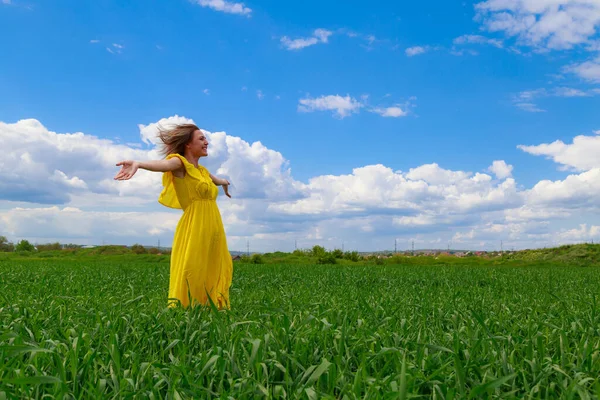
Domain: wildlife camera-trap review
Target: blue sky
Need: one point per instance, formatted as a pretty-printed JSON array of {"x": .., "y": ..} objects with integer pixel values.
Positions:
[{"x": 331, "y": 86}]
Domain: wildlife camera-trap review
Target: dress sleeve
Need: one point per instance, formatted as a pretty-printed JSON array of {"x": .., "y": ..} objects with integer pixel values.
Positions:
[{"x": 168, "y": 196}]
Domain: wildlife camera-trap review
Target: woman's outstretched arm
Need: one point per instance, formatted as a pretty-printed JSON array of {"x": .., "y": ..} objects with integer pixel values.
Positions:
[
  {"x": 221, "y": 182},
  {"x": 130, "y": 167}
]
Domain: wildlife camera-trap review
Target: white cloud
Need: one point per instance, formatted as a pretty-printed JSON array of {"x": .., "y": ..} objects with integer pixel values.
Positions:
[
  {"x": 51, "y": 166},
  {"x": 477, "y": 39},
  {"x": 393, "y": 112},
  {"x": 115, "y": 49},
  {"x": 525, "y": 100},
  {"x": 115, "y": 227},
  {"x": 94, "y": 41},
  {"x": 6, "y": 2},
  {"x": 594, "y": 46},
  {"x": 548, "y": 25},
  {"x": 542, "y": 24},
  {"x": 578, "y": 193},
  {"x": 225, "y": 6},
  {"x": 416, "y": 50},
  {"x": 571, "y": 92},
  {"x": 501, "y": 169},
  {"x": 533, "y": 213},
  {"x": 260, "y": 94},
  {"x": 462, "y": 52},
  {"x": 529, "y": 107},
  {"x": 427, "y": 199},
  {"x": 62, "y": 178},
  {"x": 434, "y": 174},
  {"x": 344, "y": 106},
  {"x": 206, "y": 91},
  {"x": 341, "y": 106},
  {"x": 588, "y": 70},
  {"x": 319, "y": 36},
  {"x": 367, "y": 41},
  {"x": 322, "y": 34},
  {"x": 580, "y": 235},
  {"x": 581, "y": 155}
]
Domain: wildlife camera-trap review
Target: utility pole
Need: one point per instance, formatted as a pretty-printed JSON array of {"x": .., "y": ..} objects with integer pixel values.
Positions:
[
  {"x": 248, "y": 248},
  {"x": 501, "y": 248},
  {"x": 395, "y": 246},
  {"x": 158, "y": 246},
  {"x": 413, "y": 247}
]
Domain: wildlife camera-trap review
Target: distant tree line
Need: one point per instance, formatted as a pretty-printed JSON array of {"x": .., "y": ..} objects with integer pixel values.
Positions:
[
  {"x": 317, "y": 254},
  {"x": 26, "y": 246},
  {"x": 23, "y": 245}
]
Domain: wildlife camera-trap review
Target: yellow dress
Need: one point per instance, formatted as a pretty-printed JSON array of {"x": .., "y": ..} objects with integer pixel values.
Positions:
[{"x": 200, "y": 258}]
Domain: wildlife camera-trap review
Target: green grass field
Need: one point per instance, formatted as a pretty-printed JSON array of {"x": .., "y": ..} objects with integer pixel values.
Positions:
[{"x": 98, "y": 326}]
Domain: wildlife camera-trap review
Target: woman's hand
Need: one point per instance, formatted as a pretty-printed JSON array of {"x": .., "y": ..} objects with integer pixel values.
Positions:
[
  {"x": 221, "y": 182},
  {"x": 225, "y": 183},
  {"x": 128, "y": 169}
]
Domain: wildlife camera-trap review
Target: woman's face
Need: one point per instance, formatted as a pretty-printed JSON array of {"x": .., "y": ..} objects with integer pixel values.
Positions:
[{"x": 198, "y": 146}]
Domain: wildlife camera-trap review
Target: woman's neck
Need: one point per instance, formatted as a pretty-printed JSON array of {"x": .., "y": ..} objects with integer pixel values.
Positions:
[{"x": 191, "y": 159}]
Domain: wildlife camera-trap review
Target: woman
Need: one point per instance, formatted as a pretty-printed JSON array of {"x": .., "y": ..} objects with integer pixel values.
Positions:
[{"x": 200, "y": 260}]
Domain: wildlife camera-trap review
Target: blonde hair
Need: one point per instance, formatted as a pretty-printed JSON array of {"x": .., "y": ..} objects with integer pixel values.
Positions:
[{"x": 175, "y": 138}]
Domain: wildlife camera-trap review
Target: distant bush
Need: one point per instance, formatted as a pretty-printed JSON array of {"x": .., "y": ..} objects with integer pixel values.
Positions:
[
  {"x": 110, "y": 250},
  {"x": 352, "y": 256},
  {"x": 5, "y": 245},
  {"x": 49, "y": 246},
  {"x": 52, "y": 254},
  {"x": 138, "y": 249},
  {"x": 300, "y": 253},
  {"x": 327, "y": 258},
  {"x": 278, "y": 254},
  {"x": 23, "y": 253},
  {"x": 318, "y": 251},
  {"x": 153, "y": 250},
  {"x": 377, "y": 259},
  {"x": 337, "y": 253},
  {"x": 24, "y": 245},
  {"x": 397, "y": 259},
  {"x": 256, "y": 259}
]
